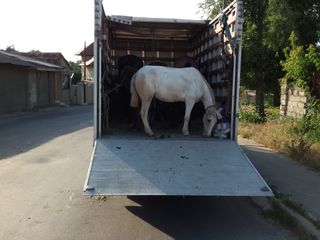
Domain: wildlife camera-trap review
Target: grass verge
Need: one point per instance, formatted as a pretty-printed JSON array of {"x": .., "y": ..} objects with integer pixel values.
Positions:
[{"x": 277, "y": 134}]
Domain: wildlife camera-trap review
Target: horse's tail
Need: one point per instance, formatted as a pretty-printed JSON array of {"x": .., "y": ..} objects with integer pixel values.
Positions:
[{"x": 134, "y": 101}]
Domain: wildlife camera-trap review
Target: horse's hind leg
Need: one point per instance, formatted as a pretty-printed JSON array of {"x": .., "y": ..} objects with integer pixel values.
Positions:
[{"x": 144, "y": 115}]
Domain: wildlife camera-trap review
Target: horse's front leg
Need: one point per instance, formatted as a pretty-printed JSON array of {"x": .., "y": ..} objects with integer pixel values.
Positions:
[
  {"x": 189, "y": 106},
  {"x": 144, "y": 116}
]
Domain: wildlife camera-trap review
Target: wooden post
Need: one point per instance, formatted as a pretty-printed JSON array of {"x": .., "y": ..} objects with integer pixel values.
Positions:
[{"x": 84, "y": 71}]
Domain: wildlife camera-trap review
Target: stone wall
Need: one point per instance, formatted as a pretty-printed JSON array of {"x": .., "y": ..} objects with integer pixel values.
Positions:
[{"x": 293, "y": 101}]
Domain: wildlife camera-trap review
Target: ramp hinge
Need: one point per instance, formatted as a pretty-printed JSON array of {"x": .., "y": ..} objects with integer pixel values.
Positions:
[{"x": 89, "y": 188}]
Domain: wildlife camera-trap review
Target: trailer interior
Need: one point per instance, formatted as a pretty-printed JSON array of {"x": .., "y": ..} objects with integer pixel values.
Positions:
[
  {"x": 165, "y": 41},
  {"x": 127, "y": 162}
]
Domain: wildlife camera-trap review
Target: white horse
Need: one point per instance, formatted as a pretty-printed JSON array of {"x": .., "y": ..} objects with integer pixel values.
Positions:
[{"x": 174, "y": 85}]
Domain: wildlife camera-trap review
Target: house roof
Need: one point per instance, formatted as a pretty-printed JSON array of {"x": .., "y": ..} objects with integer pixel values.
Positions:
[
  {"x": 89, "y": 51},
  {"x": 49, "y": 57},
  {"x": 15, "y": 59}
]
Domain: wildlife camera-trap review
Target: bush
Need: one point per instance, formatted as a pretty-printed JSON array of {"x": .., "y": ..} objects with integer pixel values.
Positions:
[
  {"x": 249, "y": 114},
  {"x": 305, "y": 134},
  {"x": 300, "y": 63},
  {"x": 307, "y": 129},
  {"x": 313, "y": 121}
]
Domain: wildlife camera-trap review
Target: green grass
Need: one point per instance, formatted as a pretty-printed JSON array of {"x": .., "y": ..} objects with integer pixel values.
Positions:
[{"x": 295, "y": 137}]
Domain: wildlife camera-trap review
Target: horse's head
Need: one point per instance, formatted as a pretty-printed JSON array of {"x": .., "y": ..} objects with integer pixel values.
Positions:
[{"x": 210, "y": 118}]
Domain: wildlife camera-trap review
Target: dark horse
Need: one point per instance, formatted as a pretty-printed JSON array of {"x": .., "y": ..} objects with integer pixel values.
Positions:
[
  {"x": 128, "y": 65},
  {"x": 186, "y": 62}
]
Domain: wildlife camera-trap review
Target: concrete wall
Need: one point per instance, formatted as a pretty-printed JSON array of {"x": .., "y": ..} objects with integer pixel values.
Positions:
[
  {"x": 23, "y": 89},
  {"x": 77, "y": 94},
  {"x": 65, "y": 96},
  {"x": 89, "y": 93},
  {"x": 41, "y": 88},
  {"x": 248, "y": 97},
  {"x": 13, "y": 86},
  {"x": 32, "y": 89},
  {"x": 293, "y": 101}
]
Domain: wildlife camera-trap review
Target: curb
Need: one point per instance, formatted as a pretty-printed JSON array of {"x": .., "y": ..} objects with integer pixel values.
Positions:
[
  {"x": 305, "y": 223},
  {"x": 26, "y": 114},
  {"x": 266, "y": 204}
]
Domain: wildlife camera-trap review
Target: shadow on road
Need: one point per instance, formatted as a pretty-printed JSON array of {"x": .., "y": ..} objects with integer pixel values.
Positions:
[
  {"x": 20, "y": 134},
  {"x": 203, "y": 217}
]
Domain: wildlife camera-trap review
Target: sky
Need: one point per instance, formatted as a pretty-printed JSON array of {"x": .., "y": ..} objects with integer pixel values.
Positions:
[{"x": 64, "y": 25}]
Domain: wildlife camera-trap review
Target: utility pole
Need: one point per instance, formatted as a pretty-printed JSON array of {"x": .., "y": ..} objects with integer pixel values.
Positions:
[
  {"x": 84, "y": 71},
  {"x": 84, "y": 62}
]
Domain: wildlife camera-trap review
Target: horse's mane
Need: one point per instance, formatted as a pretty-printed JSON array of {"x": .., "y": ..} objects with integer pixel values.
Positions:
[{"x": 210, "y": 90}]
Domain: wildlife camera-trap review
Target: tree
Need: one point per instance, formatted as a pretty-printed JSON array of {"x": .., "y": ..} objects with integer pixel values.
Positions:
[
  {"x": 255, "y": 54},
  {"x": 284, "y": 17},
  {"x": 212, "y": 8},
  {"x": 11, "y": 49},
  {"x": 255, "y": 29},
  {"x": 267, "y": 27},
  {"x": 300, "y": 63},
  {"x": 307, "y": 22},
  {"x": 280, "y": 19},
  {"x": 34, "y": 51},
  {"x": 76, "y": 69}
]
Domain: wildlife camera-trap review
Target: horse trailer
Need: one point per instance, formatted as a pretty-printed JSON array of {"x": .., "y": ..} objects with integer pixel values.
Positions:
[{"x": 127, "y": 162}]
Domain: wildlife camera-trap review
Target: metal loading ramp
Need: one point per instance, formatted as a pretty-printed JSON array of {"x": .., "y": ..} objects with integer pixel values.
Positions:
[{"x": 172, "y": 167}]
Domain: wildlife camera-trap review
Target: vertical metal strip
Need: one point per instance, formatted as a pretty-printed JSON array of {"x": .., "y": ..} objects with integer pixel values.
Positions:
[
  {"x": 239, "y": 29},
  {"x": 233, "y": 99},
  {"x": 238, "y": 88},
  {"x": 95, "y": 91},
  {"x": 100, "y": 89},
  {"x": 236, "y": 69},
  {"x": 97, "y": 69}
]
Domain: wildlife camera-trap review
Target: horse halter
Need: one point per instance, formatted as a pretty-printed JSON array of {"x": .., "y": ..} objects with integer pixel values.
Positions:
[{"x": 210, "y": 106}]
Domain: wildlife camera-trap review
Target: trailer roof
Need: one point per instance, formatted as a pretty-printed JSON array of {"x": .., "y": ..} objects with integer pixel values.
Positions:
[
  {"x": 130, "y": 19},
  {"x": 154, "y": 28}
]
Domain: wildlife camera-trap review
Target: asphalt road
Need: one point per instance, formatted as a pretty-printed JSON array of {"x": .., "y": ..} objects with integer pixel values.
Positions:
[{"x": 44, "y": 158}]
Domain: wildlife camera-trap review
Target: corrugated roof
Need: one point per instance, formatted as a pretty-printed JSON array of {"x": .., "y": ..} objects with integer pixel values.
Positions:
[
  {"x": 15, "y": 59},
  {"x": 48, "y": 57}
]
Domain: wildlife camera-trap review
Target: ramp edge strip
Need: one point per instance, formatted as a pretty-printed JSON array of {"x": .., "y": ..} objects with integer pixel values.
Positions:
[{"x": 86, "y": 187}]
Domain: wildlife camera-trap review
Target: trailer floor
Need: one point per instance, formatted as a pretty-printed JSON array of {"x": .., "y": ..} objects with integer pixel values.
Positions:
[{"x": 172, "y": 166}]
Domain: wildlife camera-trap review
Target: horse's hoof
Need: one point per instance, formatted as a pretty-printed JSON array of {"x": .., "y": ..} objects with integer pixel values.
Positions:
[{"x": 186, "y": 134}]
